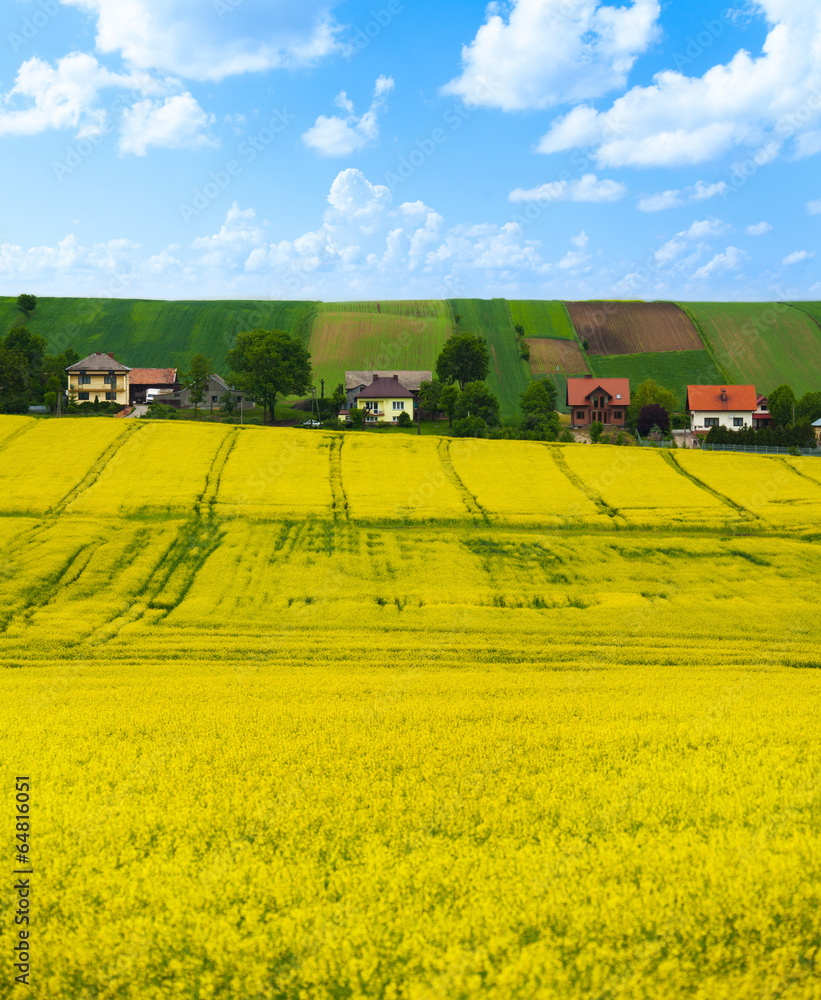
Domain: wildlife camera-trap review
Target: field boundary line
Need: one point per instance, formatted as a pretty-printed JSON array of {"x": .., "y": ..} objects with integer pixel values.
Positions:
[
  {"x": 340, "y": 500},
  {"x": 214, "y": 474},
  {"x": 576, "y": 481},
  {"x": 743, "y": 512},
  {"x": 782, "y": 461},
  {"x": 468, "y": 499},
  {"x": 18, "y": 433},
  {"x": 40, "y": 595}
]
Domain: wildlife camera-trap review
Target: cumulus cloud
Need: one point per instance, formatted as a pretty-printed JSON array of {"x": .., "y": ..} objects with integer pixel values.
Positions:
[
  {"x": 341, "y": 136},
  {"x": 539, "y": 53},
  {"x": 675, "y": 199},
  {"x": 175, "y": 123},
  {"x": 213, "y": 40},
  {"x": 681, "y": 120},
  {"x": 814, "y": 207},
  {"x": 797, "y": 257},
  {"x": 587, "y": 188},
  {"x": 759, "y": 229},
  {"x": 730, "y": 260},
  {"x": 231, "y": 246},
  {"x": 699, "y": 232}
]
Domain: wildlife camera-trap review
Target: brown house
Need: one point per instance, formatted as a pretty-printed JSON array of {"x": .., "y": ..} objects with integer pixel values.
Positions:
[{"x": 592, "y": 399}]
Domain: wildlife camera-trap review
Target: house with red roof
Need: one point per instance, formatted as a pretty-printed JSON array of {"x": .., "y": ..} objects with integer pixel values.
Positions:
[
  {"x": 730, "y": 406},
  {"x": 143, "y": 379},
  {"x": 592, "y": 399}
]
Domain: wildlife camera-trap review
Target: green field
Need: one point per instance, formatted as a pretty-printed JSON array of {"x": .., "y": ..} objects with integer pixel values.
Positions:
[
  {"x": 509, "y": 374},
  {"x": 675, "y": 370},
  {"x": 376, "y": 337},
  {"x": 763, "y": 343},
  {"x": 542, "y": 318},
  {"x": 156, "y": 334},
  {"x": 812, "y": 309}
]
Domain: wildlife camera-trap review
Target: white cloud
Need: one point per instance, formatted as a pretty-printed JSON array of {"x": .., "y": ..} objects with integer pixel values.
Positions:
[
  {"x": 730, "y": 260},
  {"x": 699, "y": 231},
  {"x": 797, "y": 257},
  {"x": 681, "y": 120},
  {"x": 212, "y": 40},
  {"x": 581, "y": 240},
  {"x": 539, "y": 53},
  {"x": 230, "y": 247},
  {"x": 338, "y": 136},
  {"x": 759, "y": 229},
  {"x": 814, "y": 207},
  {"x": 175, "y": 123},
  {"x": 586, "y": 189},
  {"x": 675, "y": 199},
  {"x": 808, "y": 144}
]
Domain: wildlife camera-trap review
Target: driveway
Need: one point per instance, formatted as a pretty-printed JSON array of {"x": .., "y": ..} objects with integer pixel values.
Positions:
[{"x": 140, "y": 410}]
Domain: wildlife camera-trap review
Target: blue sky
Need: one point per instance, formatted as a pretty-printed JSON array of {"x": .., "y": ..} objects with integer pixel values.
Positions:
[{"x": 410, "y": 149}]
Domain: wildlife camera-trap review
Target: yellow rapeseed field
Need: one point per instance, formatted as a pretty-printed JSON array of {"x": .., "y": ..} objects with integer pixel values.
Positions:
[{"x": 309, "y": 715}]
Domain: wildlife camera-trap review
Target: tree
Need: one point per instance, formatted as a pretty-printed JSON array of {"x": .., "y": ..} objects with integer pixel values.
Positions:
[
  {"x": 520, "y": 330},
  {"x": 404, "y": 419},
  {"x": 651, "y": 416},
  {"x": 476, "y": 400},
  {"x": 338, "y": 399},
  {"x": 464, "y": 358},
  {"x": 199, "y": 372},
  {"x": 448, "y": 400},
  {"x": 357, "y": 418},
  {"x": 269, "y": 363},
  {"x": 808, "y": 408},
  {"x": 21, "y": 369},
  {"x": 538, "y": 400},
  {"x": 50, "y": 400},
  {"x": 647, "y": 394},
  {"x": 27, "y": 303},
  {"x": 596, "y": 431},
  {"x": 430, "y": 396},
  {"x": 782, "y": 405},
  {"x": 227, "y": 403},
  {"x": 471, "y": 426}
]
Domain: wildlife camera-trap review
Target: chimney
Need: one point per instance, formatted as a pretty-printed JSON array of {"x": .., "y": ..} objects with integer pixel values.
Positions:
[
  {"x": 724, "y": 394},
  {"x": 396, "y": 377},
  {"x": 375, "y": 376},
  {"x": 111, "y": 355}
]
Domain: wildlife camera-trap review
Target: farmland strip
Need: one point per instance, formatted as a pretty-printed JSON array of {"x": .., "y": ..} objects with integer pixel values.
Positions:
[
  {"x": 468, "y": 498},
  {"x": 97, "y": 468},
  {"x": 340, "y": 500},
  {"x": 746, "y": 514},
  {"x": 580, "y": 485}
]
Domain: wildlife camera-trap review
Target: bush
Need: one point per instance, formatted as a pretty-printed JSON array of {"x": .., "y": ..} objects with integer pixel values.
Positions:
[
  {"x": 566, "y": 437},
  {"x": 404, "y": 419},
  {"x": 159, "y": 411},
  {"x": 524, "y": 352},
  {"x": 650, "y": 416},
  {"x": 596, "y": 431},
  {"x": 470, "y": 427}
]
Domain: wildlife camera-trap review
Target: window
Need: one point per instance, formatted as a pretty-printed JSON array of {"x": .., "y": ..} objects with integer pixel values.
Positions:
[
  {"x": 111, "y": 396},
  {"x": 107, "y": 380},
  {"x": 617, "y": 414},
  {"x": 738, "y": 421},
  {"x": 85, "y": 380},
  {"x": 398, "y": 405},
  {"x": 372, "y": 406},
  {"x": 580, "y": 414},
  {"x": 711, "y": 421},
  {"x": 215, "y": 399},
  {"x": 82, "y": 396}
]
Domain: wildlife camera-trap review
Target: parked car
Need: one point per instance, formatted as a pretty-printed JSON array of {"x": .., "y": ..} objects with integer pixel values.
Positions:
[{"x": 312, "y": 423}]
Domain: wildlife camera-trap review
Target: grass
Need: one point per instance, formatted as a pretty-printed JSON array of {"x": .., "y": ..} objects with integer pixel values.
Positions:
[
  {"x": 764, "y": 343},
  {"x": 542, "y": 318},
  {"x": 155, "y": 334},
  {"x": 509, "y": 374},
  {"x": 675, "y": 370},
  {"x": 376, "y": 337}
]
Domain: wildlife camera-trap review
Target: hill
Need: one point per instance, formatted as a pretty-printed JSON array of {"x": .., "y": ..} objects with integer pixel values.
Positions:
[{"x": 480, "y": 709}]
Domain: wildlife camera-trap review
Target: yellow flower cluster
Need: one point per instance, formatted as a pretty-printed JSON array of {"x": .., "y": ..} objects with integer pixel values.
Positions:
[{"x": 297, "y": 731}]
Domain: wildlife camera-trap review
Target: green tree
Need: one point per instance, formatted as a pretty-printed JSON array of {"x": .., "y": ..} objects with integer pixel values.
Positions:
[
  {"x": 448, "y": 400},
  {"x": 520, "y": 330},
  {"x": 22, "y": 376},
  {"x": 808, "y": 408},
  {"x": 596, "y": 431},
  {"x": 50, "y": 400},
  {"x": 269, "y": 363},
  {"x": 429, "y": 400},
  {"x": 782, "y": 405},
  {"x": 404, "y": 419},
  {"x": 471, "y": 426},
  {"x": 650, "y": 393},
  {"x": 27, "y": 303},
  {"x": 338, "y": 399},
  {"x": 199, "y": 372},
  {"x": 464, "y": 358},
  {"x": 539, "y": 398},
  {"x": 357, "y": 418},
  {"x": 476, "y": 400},
  {"x": 227, "y": 403}
]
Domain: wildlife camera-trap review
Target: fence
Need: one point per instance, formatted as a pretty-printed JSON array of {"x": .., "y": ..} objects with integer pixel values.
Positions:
[
  {"x": 654, "y": 444},
  {"x": 761, "y": 449}
]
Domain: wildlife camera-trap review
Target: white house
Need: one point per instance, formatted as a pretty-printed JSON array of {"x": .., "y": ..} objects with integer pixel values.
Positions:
[{"x": 730, "y": 406}]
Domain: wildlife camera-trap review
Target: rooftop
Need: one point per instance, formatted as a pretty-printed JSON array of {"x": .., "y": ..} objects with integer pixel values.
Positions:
[
  {"x": 384, "y": 387},
  {"x": 153, "y": 376},
  {"x": 98, "y": 362},
  {"x": 410, "y": 380},
  {"x": 580, "y": 389}
]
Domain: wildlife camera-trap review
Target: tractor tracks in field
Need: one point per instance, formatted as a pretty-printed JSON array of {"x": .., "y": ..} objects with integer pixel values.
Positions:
[
  {"x": 17, "y": 435},
  {"x": 208, "y": 498},
  {"x": 596, "y": 499},
  {"x": 101, "y": 465},
  {"x": 453, "y": 477},
  {"x": 743, "y": 512},
  {"x": 340, "y": 500}
]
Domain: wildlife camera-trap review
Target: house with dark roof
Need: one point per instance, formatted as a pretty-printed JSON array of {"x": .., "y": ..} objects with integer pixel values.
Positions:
[
  {"x": 816, "y": 426},
  {"x": 142, "y": 379},
  {"x": 384, "y": 400},
  {"x": 215, "y": 388},
  {"x": 99, "y": 376},
  {"x": 592, "y": 399},
  {"x": 355, "y": 382},
  {"x": 730, "y": 406}
]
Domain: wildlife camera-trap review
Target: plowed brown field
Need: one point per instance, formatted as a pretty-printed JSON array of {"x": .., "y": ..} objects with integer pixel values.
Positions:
[
  {"x": 633, "y": 327},
  {"x": 547, "y": 354}
]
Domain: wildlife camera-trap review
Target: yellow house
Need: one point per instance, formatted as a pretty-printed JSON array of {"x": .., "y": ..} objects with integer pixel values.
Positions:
[
  {"x": 99, "y": 376},
  {"x": 384, "y": 400}
]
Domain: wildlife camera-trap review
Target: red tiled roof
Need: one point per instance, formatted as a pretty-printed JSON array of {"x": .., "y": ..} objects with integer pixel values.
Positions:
[
  {"x": 721, "y": 397},
  {"x": 579, "y": 389},
  {"x": 153, "y": 376}
]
